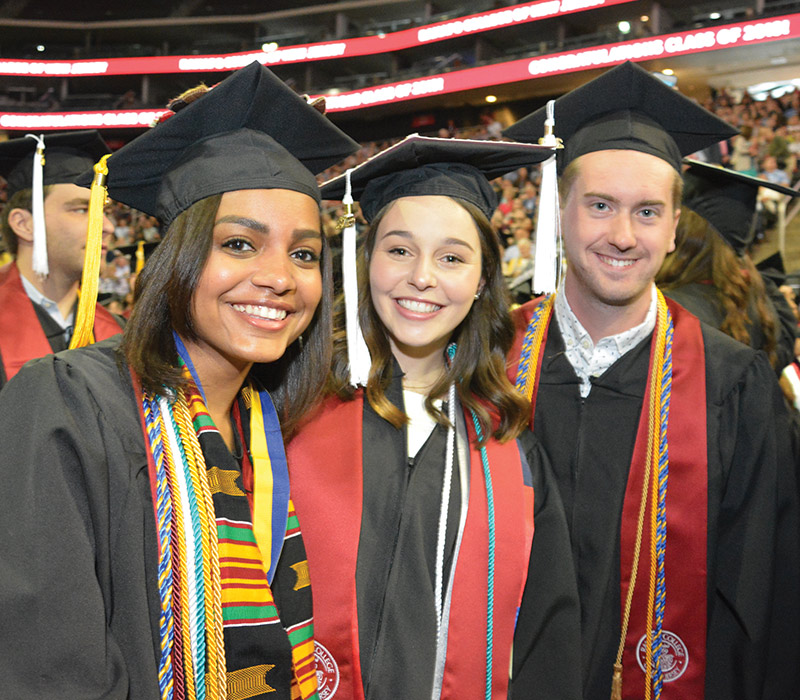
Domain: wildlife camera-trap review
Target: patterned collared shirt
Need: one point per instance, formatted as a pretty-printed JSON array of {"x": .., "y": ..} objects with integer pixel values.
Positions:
[{"x": 590, "y": 360}]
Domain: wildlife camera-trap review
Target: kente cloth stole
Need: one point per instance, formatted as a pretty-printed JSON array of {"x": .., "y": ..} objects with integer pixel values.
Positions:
[
  {"x": 679, "y": 634},
  {"x": 325, "y": 463},
  {"x": 21, "y": 334},
  {"x": 226, "y": 631}
]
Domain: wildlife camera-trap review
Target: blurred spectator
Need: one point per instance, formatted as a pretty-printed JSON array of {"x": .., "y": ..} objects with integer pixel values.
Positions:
[
  {"x": 744, "y": 151},
  {"x": 128, "y": 101},
  {"x": 149, "y": 230},
  {"x": 771, "y": 172}
]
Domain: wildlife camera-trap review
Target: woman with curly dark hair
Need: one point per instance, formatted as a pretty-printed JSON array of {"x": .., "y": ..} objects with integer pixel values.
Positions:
[{"x": 416, "y": 489}]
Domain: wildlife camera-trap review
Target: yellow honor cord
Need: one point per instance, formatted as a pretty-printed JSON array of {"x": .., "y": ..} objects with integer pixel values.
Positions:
[
  {"x": 90, "y": 279},
  {"x": 263, "y": 486}
]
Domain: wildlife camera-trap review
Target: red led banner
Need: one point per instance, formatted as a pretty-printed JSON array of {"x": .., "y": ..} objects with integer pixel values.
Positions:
[
  {"x": 112, "y": 119},
  {"x": 741, "y": 34},
  {"x": 362, "y": 46},
  {"x": 698, "y": 41}
]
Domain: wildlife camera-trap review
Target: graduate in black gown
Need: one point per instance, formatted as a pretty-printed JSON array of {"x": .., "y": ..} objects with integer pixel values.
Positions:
[
  {"x": 710, "y": 271},
  {"x": 420, "y": 493},
  {"x": 44, "y": 229},
  {"x": 150, "y": 546},
  {"x": 669, "y": 439}
]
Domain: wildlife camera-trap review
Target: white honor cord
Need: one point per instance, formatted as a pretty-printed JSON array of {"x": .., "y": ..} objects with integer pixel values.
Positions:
[
  {"x": 445, "y": 507},
  {"x": 463, "y": 477}
]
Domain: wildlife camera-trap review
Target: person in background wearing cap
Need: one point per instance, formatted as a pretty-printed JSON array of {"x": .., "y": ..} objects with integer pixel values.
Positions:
[
  {"x": 710, "y": 272},
  {"x": 151, "y": 545},
  {"x": 668, "y": 439},
  {"x": 409, "y": 557},
  {"x": 39, "y": 289}
]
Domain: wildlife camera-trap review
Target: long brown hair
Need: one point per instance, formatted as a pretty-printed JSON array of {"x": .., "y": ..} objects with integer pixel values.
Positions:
[
  {"x": 701, "y": 255},
  {"x": 483, "y": 339},
  {"x": 163, "y": 296}
]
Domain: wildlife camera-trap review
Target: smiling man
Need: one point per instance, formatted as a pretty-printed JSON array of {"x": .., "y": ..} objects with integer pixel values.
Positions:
[
  {"x": 38, "y": 293},
  {"x": 667, "y": 439}
]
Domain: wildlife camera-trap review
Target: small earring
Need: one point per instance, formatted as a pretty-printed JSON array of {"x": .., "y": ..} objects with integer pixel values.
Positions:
[{"x": 477, "y": 295}]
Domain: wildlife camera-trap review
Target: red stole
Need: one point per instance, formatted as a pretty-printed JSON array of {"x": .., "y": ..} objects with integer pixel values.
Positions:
[
  {"x": 325, "y": 462},
  {"x": 685, "y": 620},
  {"x": 21, "y": 334}
]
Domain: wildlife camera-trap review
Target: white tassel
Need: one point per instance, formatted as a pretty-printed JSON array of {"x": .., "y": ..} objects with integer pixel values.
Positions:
[
  {"x": 357, "y": 353},
  {"x": 548, "y": 221},
  {"x": 39, "y": 256}
]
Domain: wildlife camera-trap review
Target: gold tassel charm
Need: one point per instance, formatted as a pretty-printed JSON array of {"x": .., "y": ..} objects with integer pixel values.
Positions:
[
  {"x": 347, "y": 219},
  {"x": 616, "y": 683}
]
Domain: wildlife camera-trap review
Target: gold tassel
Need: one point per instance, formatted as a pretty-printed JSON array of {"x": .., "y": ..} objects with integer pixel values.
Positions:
[
  {"x": 616, "y": 683},
  {"x": 139, "y": 257},
  {"x": 90, "y": 279}
]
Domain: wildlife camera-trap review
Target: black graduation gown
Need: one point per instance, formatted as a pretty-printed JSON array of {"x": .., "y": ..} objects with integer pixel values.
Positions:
[
  {"x": 395, "y": 570},
  {"x": 78, "y": 597},
  {"x": 703, "y": 300},
  {"x": 79, "y": 601},
  {"x": 752, "y": 643}
]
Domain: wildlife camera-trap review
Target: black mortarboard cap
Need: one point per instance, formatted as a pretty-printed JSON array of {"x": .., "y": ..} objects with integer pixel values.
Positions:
[
  {"x": 726, "y": 199},
  {"x": 773, "y": 263},
  {"x": 251, "y": 131},
  {"x": 626, "y": 108},
  {"x": 421, "y": 165},
  {"x": 67, "y": 155}
]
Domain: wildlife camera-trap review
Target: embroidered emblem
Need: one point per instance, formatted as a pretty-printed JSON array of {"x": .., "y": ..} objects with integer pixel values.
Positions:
[
  {"x": 303, "y": 577},
  {"x": 674, "y": 655},
  {"x": 327, "y": 672},
  {"x": 223, "y": 481},
  {"x": 248, "y": 682}
]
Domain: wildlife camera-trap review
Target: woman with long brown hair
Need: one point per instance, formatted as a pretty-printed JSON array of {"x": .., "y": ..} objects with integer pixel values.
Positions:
[
  {"x": 710, "y": 271},
  {"x": 419, "y": 491},
  {"x": 155, "y": 550}
]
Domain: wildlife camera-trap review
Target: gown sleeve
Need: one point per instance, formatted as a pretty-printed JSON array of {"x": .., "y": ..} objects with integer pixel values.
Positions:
[
  {"x": 546, "y": 660},
  {"x": 56, "y": 534},
  {"x": 754, "y": 612}
]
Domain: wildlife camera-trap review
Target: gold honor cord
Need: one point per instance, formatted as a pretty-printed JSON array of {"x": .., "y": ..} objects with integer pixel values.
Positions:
[
  {"x": 90, "y": 279},
  {"x": 652, "y": 451}
]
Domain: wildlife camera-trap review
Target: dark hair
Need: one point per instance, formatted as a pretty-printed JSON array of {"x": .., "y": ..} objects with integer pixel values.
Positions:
[
  {"x": 21, "y": 199},
  {"x": 484, "y": 339},
  {"x": 701, "y": 255},
  {"x": 163, "y": 303}
]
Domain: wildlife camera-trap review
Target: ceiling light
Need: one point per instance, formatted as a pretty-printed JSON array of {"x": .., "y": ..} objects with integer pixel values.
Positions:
[
  {"x": 491, "y": 98},
  {"x": 714, "y": 15},
  {"x": 668, "y": 71},
  {"x": 624, "y": 26}
]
